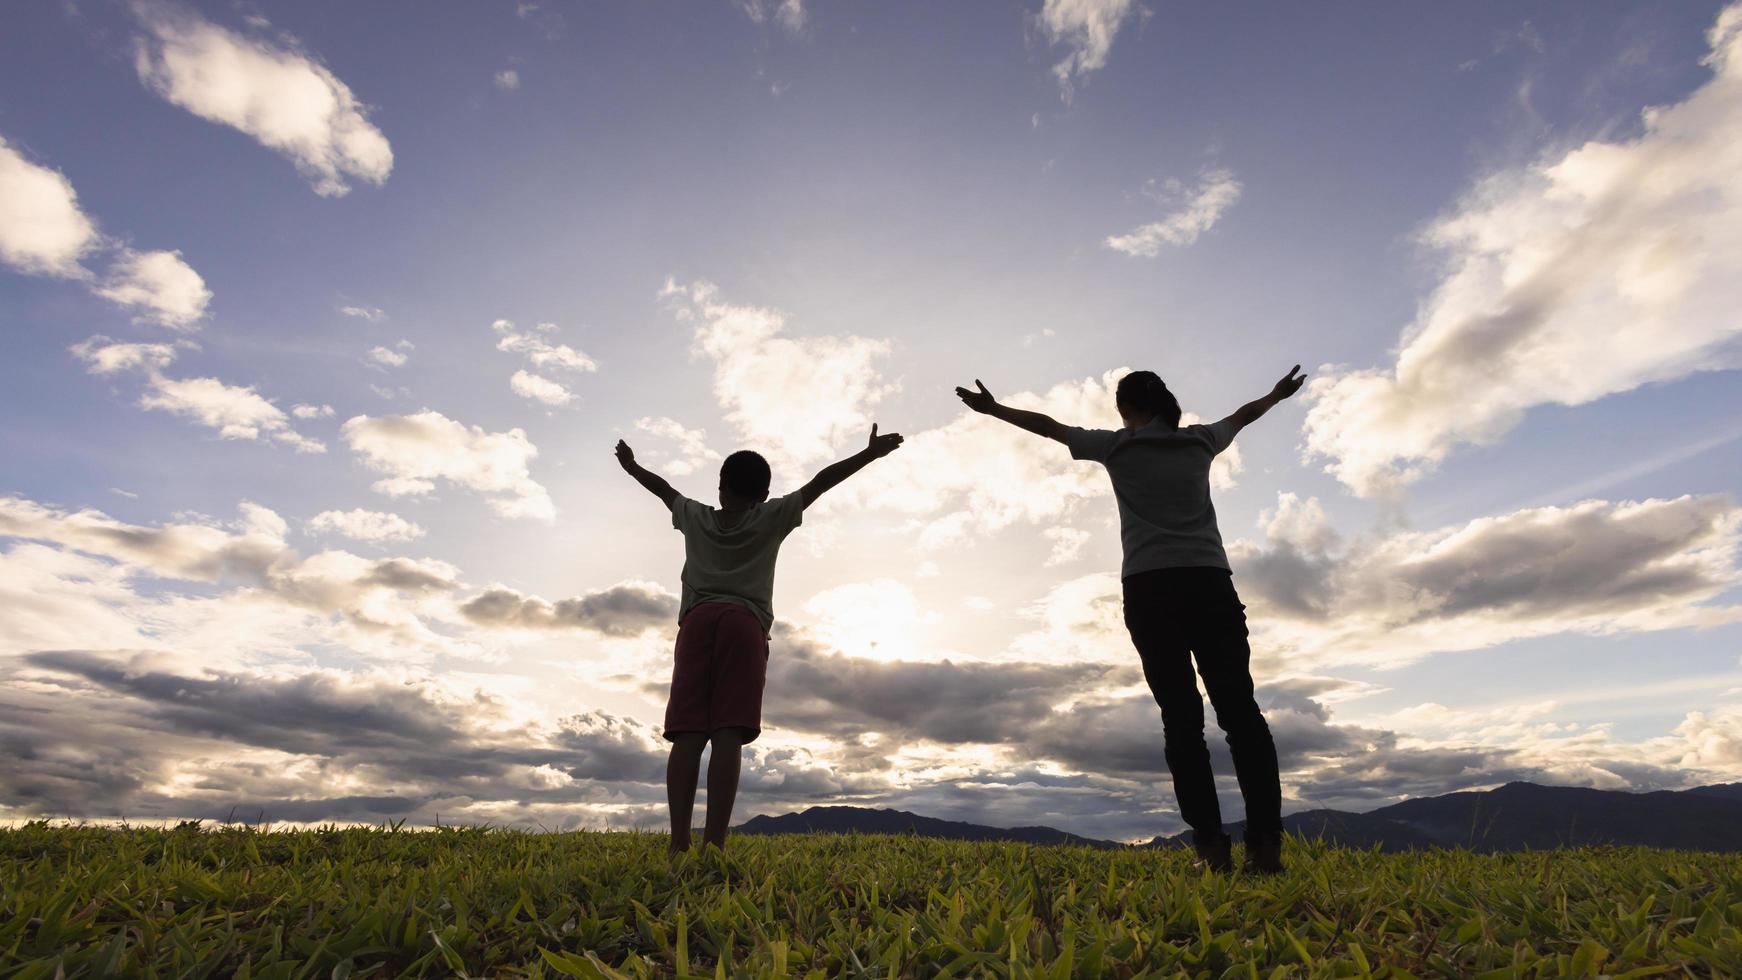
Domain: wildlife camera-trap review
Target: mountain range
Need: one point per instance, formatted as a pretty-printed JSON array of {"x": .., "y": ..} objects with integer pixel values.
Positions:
[
  {"x": 1516, "y": 816},
  {"x": 867, "y": 820}
]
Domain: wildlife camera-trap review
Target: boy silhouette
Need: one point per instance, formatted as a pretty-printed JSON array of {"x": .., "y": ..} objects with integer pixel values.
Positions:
[
  {"x": 1180, "y": 598},
  {"x": 724, "y": 617}
]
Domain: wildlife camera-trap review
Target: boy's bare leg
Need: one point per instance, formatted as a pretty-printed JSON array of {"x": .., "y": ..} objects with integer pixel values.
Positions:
[
  {"x": 682, "y": 770},
  {"x": 722, "y": 784}
]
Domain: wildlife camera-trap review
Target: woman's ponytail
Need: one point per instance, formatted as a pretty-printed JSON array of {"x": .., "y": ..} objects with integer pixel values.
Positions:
[{"x": 1144, "y": 391}]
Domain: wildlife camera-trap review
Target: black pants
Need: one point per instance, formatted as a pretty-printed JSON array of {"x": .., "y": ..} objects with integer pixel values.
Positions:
[{"x": 1173, "y": 613}]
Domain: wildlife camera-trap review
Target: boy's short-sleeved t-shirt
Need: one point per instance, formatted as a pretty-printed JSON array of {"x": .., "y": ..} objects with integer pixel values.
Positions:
[
  {"x": 1161, "y": 478},
  {"x": 736, "y": 563}
]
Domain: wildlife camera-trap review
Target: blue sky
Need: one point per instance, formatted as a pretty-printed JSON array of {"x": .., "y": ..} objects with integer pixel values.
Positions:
[{"x": 1496, "y": 538}]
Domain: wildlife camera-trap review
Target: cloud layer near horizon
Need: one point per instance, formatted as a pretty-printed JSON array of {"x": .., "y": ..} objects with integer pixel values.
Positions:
[
  {"x": 1318, "y": 599},
  {"x": 1058, "y": 725}
]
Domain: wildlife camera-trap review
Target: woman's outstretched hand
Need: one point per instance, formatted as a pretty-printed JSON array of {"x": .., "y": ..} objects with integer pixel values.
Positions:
[
  {"x": 1287, "y": 386},
  {"x": 882, "y": 445},
  {"x": 980, "y": 401}
]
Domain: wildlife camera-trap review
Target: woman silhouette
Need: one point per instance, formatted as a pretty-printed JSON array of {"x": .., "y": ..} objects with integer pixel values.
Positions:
[{"x": 1180, "y": 599}]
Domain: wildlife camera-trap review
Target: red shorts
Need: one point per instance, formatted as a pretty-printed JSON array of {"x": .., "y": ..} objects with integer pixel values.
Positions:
[{"x": 722, "y": 662}]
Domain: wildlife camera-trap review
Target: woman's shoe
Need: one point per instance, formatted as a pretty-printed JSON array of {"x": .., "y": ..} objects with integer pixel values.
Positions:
[
  {"x": 1264, "y": 853},
  {"x": 1215, "y": 853}
]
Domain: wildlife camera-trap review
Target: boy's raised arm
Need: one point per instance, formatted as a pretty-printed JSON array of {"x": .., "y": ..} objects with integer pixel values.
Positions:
[
  {"x": 832, "y": 474},
  {"x": 1249, "y": 413},
  {"x": 982, "y": 401},
  {"x": 654, "y": 483}
]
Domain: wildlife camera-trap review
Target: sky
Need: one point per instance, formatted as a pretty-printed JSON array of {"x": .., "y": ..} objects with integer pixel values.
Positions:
[{"x": 321, "y": 321}]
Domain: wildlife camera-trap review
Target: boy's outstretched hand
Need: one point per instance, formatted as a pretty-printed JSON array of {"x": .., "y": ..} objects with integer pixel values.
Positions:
[
  {"x": 1289, "y": 385},
  {"x": 625, "y": 455},
  {"x": 883, "y": 445},
  {"x": 980, "y": 401},
  {"x": 831, "y": 475}
]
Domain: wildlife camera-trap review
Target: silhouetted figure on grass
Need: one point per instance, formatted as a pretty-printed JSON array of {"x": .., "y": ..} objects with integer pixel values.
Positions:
[
  {"x": 1180, "y": 598},
  {"x": 723, "y": 619}
]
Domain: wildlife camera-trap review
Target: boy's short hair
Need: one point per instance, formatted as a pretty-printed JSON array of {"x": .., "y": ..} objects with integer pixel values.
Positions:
[{"x": 745, "y": 472}]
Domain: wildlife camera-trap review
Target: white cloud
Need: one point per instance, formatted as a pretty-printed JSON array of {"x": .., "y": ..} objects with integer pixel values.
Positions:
[
  {"x": 1713, "y": 739},
  {"x": 1590, "y": 273},
  {"x": 692, "y": 444},
  {"x": 370, "y": 313},
  {"x": 1196, "y": 211},
  {"x": 797, "y": 400},
  {"x": 538, "y": 350},
  {"x": 197, "y": 552},
  {"x": 105, "y": 356},
  {"x": 312, "y": 411},
  {"x": 169, "y": 291},
  {"x": 1087, "y": 28},
  {"x": 1079, "y": 620},
  {"x": 236, "y": 412},
  {"x": 280, "y": 96},
  {"x": 789, "y": 14},
  {"x": 414, "y": 451},
  {"x": 270, "y": 599},
  {"x": 394, "y": 356},
  {"x": 1067, "y": 544},
  {"x": 508, "y": 80},
  {"x": 42, "y": 230},
  {"x": 539, "y": 388},
  {"x": 365, "y": 525}
]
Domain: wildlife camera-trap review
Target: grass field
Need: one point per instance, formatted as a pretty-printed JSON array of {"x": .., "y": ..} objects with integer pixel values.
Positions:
[{"x": 96, "y": 902}]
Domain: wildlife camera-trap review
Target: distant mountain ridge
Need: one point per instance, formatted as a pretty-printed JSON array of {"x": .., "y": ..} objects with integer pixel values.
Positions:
[
  {"x": 1516, "y": 816},
  {"x": 868, "y": 820}
]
